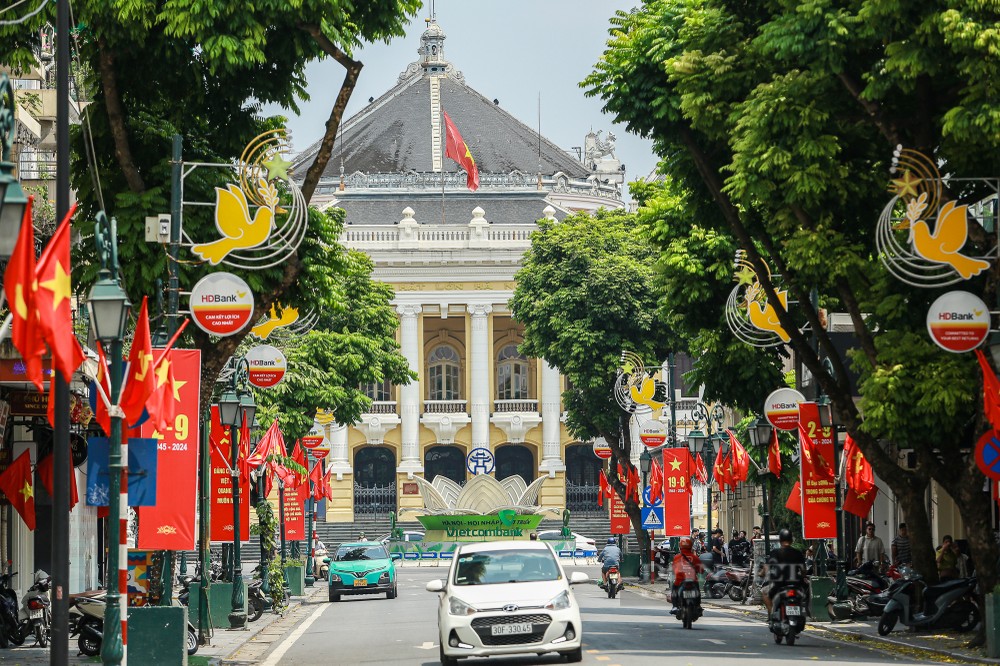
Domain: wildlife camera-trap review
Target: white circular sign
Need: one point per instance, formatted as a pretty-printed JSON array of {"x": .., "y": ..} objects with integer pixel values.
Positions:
[
  {"x": 601, "y": 449},
  {"x": 221, "y": 304},
  {"x": 266, "y": 366},
  {"x": 782, "y": 408},
  {"x": 958, "y": 321},
  {"x": 653, "y": 433}
]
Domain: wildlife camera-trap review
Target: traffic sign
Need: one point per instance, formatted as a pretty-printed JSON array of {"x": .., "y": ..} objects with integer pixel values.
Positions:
[
  {"x": 988, "y": 454},
  {"x": 648, "y": 501},
  {"x": 652, "y": 518}
]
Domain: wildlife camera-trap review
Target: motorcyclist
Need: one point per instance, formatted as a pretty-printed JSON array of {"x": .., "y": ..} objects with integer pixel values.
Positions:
[
  {"x": 687, "y": 566},
  {"x": 785, "y": 568},
  {"x": 611, "y": 556}
]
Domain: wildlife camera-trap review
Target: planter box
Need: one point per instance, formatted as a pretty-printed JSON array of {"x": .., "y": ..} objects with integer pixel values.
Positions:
[
  {"x": 820, "y": 589},
  {"x": 220, "y": 603},
  {"x": 158, "y": 634},
  {"x": 295, "y": 577},
  {"x": 992, "y": 625}
]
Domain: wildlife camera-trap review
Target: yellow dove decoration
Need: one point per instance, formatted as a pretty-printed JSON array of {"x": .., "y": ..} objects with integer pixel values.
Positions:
[
  {"x": 943, "y": 245},
  {"x": 762, "y": 314},
  {"x": 643, "y": 395},
  {"x": 288, "y": 317},
  {"x": 232, "y": 218}
]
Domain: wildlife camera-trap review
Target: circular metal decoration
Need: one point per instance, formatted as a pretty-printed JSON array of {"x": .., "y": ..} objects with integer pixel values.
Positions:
[
  {"x": 988, "y": 454},
  {"x": 653, "y": 433},
  {"x": 958, "y": 321},
  {"x": 781, "y": 408},
  {"x": 221, "y": 304},
  {"x": 601, "y": 449},
  {"x": 480, "y": 461},
  {"x": 266, "y": 366}
]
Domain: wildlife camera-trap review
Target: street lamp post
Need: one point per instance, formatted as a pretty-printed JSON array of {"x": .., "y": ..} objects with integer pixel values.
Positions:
[
  {"x": 109, "y": 309},
  {"x": 235, "y": 406},
  {"x": 310, "y": 563},
  {"x": 760, "y": 435},
  {"x": 645, "y": 462},
  {"x": 700, "y": 443},
  {"x": 12, "y": 198}
]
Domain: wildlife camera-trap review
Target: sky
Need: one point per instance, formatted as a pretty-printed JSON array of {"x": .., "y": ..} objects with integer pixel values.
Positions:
[{"x": 510, "y": 50}]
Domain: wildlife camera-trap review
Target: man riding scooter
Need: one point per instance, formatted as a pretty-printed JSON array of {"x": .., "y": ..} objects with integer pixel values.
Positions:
[
  {"x": 687, "y": 566},
  {"x": 785, "y": 568},
  {"x": 611, "y": 556}
]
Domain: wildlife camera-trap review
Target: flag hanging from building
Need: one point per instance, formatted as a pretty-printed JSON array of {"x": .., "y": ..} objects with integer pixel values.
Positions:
[
  {"x": 16, "y": 484},
  {"x": 860, "y": 503},
  {"x": 456, "y": 148},
  {"x": 53, "y": 299},
  {"x": 45, "y": 475},
  {"x": 19, "y": 286}
]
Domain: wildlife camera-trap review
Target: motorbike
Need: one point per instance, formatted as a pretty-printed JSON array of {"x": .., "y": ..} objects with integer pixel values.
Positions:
[
  {"x": 322, "y": 569},
  {"x": 255, "y": 600},
  {"x": 788, "y": 615},
  {"x": 35, "y": 616},
  {"x": 10, "y": 631},
  {"x": 948, "y": 605},
  {"x": 862, "y": 584},
  {"x": 717, "y": 583},
  {"x": 615, "y": 583},
  {"x": 87, "y": 621},
  {"x": 688, "y": 603},
  {"x": 736, "y": 579}
]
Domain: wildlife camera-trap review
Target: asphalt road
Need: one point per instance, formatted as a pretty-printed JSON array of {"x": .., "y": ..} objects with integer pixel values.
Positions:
[{"x": 628, "y": 630}]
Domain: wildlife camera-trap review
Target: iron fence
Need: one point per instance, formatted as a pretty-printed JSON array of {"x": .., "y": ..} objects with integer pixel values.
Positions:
[
  {"x": 583, "y": 499},
  {"x": 374, "y": 500}
]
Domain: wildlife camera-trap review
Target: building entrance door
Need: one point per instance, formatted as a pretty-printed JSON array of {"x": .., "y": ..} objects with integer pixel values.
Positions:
[
  {"x": 583, "y": 471},
  {"x": 374, "y": 481},
  {"x": 445, "y": 460},
  {"x": 514, "y": 459}
]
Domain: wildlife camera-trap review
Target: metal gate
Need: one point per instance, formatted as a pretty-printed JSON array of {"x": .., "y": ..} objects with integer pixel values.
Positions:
[
  {"x": 374, "y": 500},
  {"x": 583, "y": 499}
]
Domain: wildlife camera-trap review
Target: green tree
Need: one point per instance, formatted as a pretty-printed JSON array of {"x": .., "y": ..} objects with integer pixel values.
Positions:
[
  {"x": 585, "y": 293},
  {"x": 776, "y": 121}
]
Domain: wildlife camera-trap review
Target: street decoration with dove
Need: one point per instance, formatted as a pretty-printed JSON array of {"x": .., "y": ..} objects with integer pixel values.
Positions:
[{"x": 749, "y": 314}]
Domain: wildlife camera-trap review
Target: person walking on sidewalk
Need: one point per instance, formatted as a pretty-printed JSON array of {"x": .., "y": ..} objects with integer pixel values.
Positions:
[
  {"x": 870, "y": 548},
  {"x": 901, "y": 552}
]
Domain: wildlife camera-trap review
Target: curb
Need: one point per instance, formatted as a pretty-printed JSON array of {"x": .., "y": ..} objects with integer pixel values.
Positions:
[
  {"x": 259, "y": 641},
  {"x": 884, "y": 644}
]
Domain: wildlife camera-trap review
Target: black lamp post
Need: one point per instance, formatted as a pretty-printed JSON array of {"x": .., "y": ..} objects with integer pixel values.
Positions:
[
  {"x": 760, "y": 435},
  {"x": 12, "y": 198},
  {"x": 310, "y": 561},
  {"x": 700, "y": 443},
  {"x": 645, "y": 463},
  {"x": 109, "y": 309}
]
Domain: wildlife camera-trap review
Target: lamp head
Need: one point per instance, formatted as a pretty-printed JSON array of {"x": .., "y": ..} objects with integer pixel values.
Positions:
[
  {"x": 109, "y": 308},
  {"x": 696, "y": 441},
  {"x": 645, "y": 461},
  {"x": 229, "y": 408}
]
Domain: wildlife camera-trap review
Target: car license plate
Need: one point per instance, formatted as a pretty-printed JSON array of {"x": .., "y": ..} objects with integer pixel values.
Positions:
[
  {"x": 33, "y": 614},
  {"x": 360, "y": 582},
  {"x": 508, "y": 629},
  {"x": 690, "y": 594},
  {"x": 793, "y": 610}
]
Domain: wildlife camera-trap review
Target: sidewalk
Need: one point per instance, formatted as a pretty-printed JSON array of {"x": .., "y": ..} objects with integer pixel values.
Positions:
[{"x": 930, "y": 646}]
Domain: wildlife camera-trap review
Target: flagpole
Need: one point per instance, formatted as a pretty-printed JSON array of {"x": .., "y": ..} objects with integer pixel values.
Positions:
[{"x": 445, "y": 128}]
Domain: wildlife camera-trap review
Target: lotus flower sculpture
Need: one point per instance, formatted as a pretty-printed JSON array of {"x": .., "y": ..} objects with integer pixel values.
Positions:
[{"x": 482, "y": 495}]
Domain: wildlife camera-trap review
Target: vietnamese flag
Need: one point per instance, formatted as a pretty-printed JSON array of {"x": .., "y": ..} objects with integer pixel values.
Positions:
[
  {"x": 19, "y": 287},
  {"x": 700, "y": 472},
  {"x": 102, "y": 415},
  {"x": 655, "y": 482},
  {"x": 860, "y": 503},
  {"x": 794, "y": 502},
  {"x": 15, "y": 482},
  {"x": 774, "y": 454},
  {"x": 605, "y": 489},
  {"x": 316, "y": 476},
  {"x": 719, "y": 470},
  {"x": 45, "y": 475},
  {"x": 328, "y": 484},
  {"x": 139, "y": 382},
  {"x": 299, "y": 457},
  {"x": 53, "y": 301},
  {"x": 813, "y": 461},
  {"x": 991, "y": 389},
  {"x": 858, "y": 471},
  {"x": 458, "y": 150},
  {"x": 162, "y": 404},
  {"x": 741, "y": 459}
]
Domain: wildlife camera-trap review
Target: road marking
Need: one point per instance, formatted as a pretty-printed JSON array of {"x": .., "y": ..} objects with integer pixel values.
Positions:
[
  {"x": 602, "y": 658},
  {"x": 592, "y": 651},
  {"x": 280, "y": 651},
  {"x": 713, "y": 640},
  {"x": 426, "y": 646}
]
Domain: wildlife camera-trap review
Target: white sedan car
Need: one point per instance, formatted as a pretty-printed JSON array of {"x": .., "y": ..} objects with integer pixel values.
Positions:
[
  {"x": 507, "y": 597},
  {"x": 582, "y": 542}
]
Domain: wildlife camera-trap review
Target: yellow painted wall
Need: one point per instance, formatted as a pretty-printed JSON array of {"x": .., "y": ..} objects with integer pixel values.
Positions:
[
  {"x": 554, "y": 492},
  {"x": 341, "y": 508}
]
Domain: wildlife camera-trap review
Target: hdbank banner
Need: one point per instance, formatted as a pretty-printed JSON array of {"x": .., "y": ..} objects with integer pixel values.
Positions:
[{"x": 506, "y": 524}]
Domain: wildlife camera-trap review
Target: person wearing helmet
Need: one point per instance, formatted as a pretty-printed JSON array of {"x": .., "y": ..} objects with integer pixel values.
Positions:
[
  {"x": 687, "y": 566},
  {"x": 611, "y": 556},
  {"x": 785, "y": 568}
]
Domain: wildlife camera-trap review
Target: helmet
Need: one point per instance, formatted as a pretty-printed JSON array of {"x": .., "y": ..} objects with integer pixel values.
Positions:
[
  {"x": 685, "y": 543},
  {"x": 611, "y": 541},
  {"x": 784, "y": 536}
]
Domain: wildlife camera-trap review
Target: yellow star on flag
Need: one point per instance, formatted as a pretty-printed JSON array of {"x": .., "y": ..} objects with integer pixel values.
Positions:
[
  {"x": 905, "y": 186},
  {"x": 177, "y": 384},
  {"x": 161, "y": 372},
  {"x": 27, "y": 491},
  {"x": 675, "y": 465},
  {"x": 58, "y": 285}
]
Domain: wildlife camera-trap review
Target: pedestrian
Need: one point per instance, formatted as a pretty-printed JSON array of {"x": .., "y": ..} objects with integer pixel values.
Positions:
[
  {"x": 739, "y": 549},
  {"x": 533, "y": 536},
  {"x": 718, "y": 556},
  {"x": 697, "y": 546},
  {"x": 901, "y": 553},
  {"x": 947, "y": 558},
  {"x": 870, "y": 548}
]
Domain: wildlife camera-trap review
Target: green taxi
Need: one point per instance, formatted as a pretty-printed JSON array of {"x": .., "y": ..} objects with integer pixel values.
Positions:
[{"x": 364, "y": 567}]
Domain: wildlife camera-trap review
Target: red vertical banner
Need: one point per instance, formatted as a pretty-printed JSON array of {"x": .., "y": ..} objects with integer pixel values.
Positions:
[
  {"x": 170, "y": 524},
  {"x": 620, "y": 523},
  {"x": 221, "y": 523},
  {"x": 676, "y": 492},
  {"x": 819, "y": 495},
  {"x": 295, "y": 515}
]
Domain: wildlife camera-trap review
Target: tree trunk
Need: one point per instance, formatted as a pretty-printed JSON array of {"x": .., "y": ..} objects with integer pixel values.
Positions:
[{"x": 116, "y": 119}]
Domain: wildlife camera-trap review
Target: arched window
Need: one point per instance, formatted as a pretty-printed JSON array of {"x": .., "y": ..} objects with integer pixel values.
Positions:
[
  {"x": 444, "y": 460},
  {"x": 443, "y": 373},
  {"x": 514, "y": 459},
  {"x": 512, "y": 374},
  {"x": 379, "y": 392}
]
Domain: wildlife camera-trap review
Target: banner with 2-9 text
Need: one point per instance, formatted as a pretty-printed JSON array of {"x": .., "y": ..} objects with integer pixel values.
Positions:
[
  {"x": 819, "y": 499},
  {"x": 221, "y": 522}
]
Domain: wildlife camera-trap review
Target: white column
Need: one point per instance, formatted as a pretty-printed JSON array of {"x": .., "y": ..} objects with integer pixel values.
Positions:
[
  {"x": 340, "y": 462},
  {"x": 409, "y": 395},
  {"x": 552, "y": 461},
  {"x": 479, "y": 392}
]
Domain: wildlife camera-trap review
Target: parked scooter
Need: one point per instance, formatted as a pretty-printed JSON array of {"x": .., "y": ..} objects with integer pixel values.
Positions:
[
  {"x": 87, "y": 621},
  {"x": 35, "y": 616},
  {"x": 948, "y": 605},
  {"x": 688, "y": 603},
  {"x": 717, "y": 583},
  {"x": 863, "y": 584},
  {"x": 10, "y": 631},
  {"x": 321, "y": 569},
  {"x": 788, "y": 615},
  {"x": 255, "y": 600}
]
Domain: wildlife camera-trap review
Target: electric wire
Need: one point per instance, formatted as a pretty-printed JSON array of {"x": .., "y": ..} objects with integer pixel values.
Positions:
[{"x": 24, "y": 18}]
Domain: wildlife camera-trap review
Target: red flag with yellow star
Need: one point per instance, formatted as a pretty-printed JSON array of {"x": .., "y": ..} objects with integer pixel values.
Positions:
[
  {"x": 162, "y": 405},
  {"x": 52, "y": 301},
  {"x": 858, "y": 471},
  {"x": 19, "y": 286},
  {"x": 140, "y": 381},
  {"x": 456, "y": 148},
  {"x": 860, "y": 503},
  {"x": 741, "y": 459},
  {"x": 46, "y": 476},
  {"x": 794, "y": 501},
  {"x": 16, "y": 484}
]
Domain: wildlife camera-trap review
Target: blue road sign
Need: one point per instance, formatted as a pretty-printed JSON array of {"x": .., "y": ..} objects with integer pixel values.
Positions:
[
  {"x": 652, "y": 518},
  {"x": 646, "y": 500}
]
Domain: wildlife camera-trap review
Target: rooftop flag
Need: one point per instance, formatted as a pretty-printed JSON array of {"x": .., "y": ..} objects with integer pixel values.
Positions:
[{"x": 456, "y": 148}]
